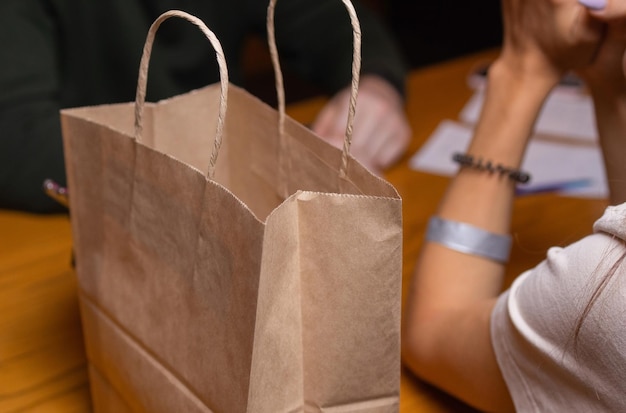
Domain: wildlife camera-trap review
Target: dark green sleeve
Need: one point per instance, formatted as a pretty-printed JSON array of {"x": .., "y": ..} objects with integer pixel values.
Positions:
[
  {"x": 30, "y": 134},
  {"x": 314, "y": 37}
]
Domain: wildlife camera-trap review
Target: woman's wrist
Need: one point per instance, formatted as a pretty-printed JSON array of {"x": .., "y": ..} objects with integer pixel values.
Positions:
[
  {"x": 610, "y": 110},
  {"x": 608, "y": 95},
  {"x": 530, "y": 69},
  {"x": 512, "y": 102},
  {"x": 523, "y": 77}
]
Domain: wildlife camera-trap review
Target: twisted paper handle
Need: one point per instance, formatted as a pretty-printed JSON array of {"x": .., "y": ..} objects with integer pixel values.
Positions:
[
  {"x": 356, "y": 69},
  {"x": 140, "y": 97}
]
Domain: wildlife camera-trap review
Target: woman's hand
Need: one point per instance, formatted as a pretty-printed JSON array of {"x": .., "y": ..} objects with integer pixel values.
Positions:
[
  {"x": 545, "y": 38},
  {"x": 605, "y": 76},
  {"x": 607, "y": 83}
]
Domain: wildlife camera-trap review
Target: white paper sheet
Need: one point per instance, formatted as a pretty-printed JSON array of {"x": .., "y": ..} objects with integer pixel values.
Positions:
[
  {"x": 549, "y": 163},
  {"x": 565, "y": 114}
]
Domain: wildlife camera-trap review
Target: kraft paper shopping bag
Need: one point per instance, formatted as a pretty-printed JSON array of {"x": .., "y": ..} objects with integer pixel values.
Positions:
[{"x": 228, "y": 259}]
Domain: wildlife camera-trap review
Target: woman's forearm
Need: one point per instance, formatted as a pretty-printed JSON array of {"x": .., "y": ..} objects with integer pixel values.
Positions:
[
  {"x": 453, "y": 293},
  {"x": 482, "y": 199},
  {"x": 611, "y": 124},
  {"x": 511, "y": 106}
]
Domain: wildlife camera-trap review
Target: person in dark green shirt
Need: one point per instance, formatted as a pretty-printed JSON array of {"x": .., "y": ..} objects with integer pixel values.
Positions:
[{"x": 57, "y": 54}]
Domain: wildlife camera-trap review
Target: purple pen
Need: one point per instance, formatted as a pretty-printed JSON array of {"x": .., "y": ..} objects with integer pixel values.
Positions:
[
  {"x": 56, "y": 192},
  {"x": 554, "y": 187}
]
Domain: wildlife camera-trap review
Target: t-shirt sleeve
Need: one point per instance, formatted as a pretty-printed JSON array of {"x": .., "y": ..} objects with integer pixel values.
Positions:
[{"x": 533, "y": 331}]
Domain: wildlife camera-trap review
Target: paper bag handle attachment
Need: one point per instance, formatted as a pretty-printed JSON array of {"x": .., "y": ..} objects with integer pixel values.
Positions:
[
  {"x": 140, "y": 97},
  {"x": 356, "y": 69}
]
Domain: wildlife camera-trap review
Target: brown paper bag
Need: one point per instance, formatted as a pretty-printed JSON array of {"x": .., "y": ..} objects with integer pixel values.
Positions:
[{"x": 270, "y": 283}]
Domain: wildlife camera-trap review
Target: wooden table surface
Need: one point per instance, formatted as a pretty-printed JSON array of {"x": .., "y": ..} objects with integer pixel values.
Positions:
[{"x": 42, "y": 359}]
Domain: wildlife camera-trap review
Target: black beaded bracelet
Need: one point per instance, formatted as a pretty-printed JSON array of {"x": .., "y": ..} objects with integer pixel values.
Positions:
[{"x": 470, "y": 161}]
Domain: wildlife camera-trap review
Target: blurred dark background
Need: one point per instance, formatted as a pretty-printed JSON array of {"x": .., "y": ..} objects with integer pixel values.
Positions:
[
  {"x": 431, "y": 32},
  {"x": 426, "y": 33}
]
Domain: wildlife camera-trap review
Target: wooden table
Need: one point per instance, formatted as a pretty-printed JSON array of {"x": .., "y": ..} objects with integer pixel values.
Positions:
[{"x": 42, "y": 359}]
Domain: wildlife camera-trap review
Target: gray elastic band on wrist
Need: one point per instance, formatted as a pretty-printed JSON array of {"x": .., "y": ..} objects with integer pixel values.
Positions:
[{"x": 469, "y": 239}]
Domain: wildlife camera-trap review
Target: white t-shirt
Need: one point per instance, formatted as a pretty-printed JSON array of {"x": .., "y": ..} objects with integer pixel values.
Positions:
[{"x": 533, "y": 324}]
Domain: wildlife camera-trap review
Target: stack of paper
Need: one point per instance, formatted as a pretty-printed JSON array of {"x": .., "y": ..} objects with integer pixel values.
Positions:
[{"x": 562, "y": 157}]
